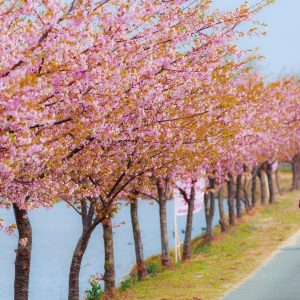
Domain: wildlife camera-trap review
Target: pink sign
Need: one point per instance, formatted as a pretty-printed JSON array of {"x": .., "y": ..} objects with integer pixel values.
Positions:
[{"x": 181, "y": 207}]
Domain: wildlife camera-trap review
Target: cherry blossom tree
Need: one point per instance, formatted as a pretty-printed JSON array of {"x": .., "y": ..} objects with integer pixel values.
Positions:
[{"x": 97, "y": 94}]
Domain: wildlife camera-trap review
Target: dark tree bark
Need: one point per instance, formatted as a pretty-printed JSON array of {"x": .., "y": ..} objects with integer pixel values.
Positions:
[
  {"x": 254, "y": 186},
  {"x": 209, "y": 226},
  {"x": 230, "y": 189},
  {"x": 246, "y": 196},
  {"x": 187, "y": 252},
  {"x": 262, "y": 178},
  {"x": 163, "y": 191},
  {"x": 139, "y": 253},
  {"x": 76, "y": 263},
  {"x": 296, "y": 172},
  {"x": 109, "y": 260},
  {"x": 239, "y": 212},
  {"x": 206, "y": 206},
  {"x": 23, "y": 254},
  {"x": 190, "y": 199},
  {"x": 165, "y": 251},
  {"x": 89, "y": 223},
  {"x": 222, "y": 220},
  {"x": 270, "y": 183},
  {"x": 277, "y": 183}
]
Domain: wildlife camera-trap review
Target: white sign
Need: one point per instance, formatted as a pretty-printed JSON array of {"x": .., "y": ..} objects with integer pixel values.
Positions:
[
  {"x": 275, "y": 166},
  {"x": 181, "y": 206}
]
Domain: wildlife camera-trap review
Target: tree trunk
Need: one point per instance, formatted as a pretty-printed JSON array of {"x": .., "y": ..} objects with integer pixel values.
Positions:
[
  {"x": 139, "y": 253},
  {"x": 165, "y": 252},
  {"x": 239, "y": 212},
  {"x": 222, "y": 220},
  {"x": 254, "y": 186},
  {"x": 230, "y": 189},
  {"x": 277, "y": 183},
  {"x": 109, "y": 260},
  {"x": 23, "y": 254},
  {"x": 270, "y": 183},
  {"x": 296, "y": 172},
  {"x": 263, "y": 192},
  {"x": 209, "y": 226},
  {"x": 163, "y": 192},
  {"x": 246, "y": 195},
  {"x": 206, "y": 206},
  {"x": 76, "y": 263},
  {"x": 187, "y": 252}
]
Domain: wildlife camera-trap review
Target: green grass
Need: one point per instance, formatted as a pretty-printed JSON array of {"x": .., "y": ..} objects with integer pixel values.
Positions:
[{"x": 218, "y": 266}]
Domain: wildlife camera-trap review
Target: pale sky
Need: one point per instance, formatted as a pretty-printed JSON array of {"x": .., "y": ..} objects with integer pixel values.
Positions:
[{"x": 281, "y": 46}]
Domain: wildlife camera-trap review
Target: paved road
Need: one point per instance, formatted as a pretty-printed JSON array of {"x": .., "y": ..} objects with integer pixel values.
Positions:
[{"x": 279, "y": 279}]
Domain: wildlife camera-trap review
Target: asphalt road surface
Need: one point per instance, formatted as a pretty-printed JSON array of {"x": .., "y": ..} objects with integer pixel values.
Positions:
[{"x": 278, "y": 279}]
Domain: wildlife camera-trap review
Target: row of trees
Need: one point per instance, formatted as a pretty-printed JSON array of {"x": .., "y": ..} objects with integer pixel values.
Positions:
[{"x": 103, "y": 100}]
